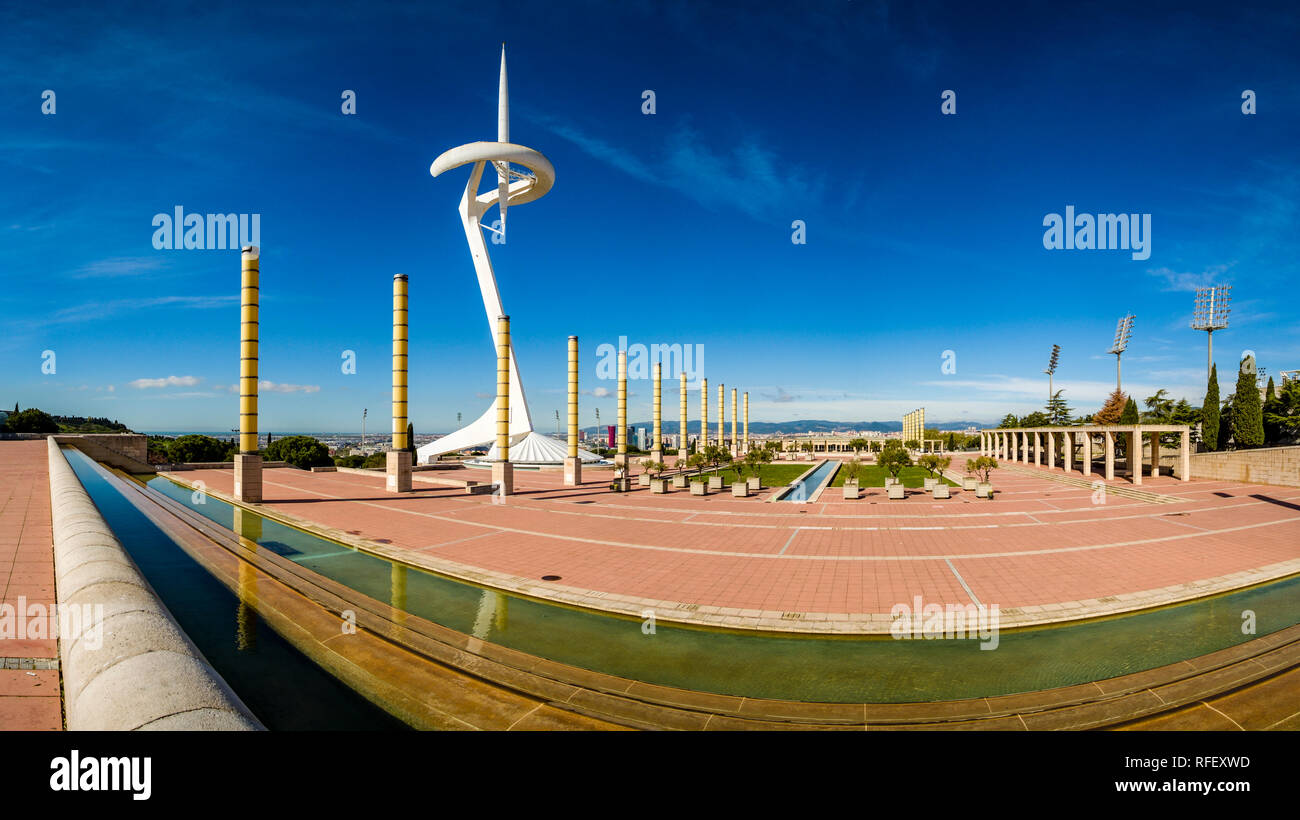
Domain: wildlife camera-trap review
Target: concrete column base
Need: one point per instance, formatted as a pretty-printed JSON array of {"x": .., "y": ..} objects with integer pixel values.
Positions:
[
  {"x": 620, "y": 461},
  {"x": 399, "y": 471},
  {"x": 657, "y": 455},
  {"x": 248, "y": 478},
  {"x": 503, "y": 475},
  {"x": 572, "y": 471}
]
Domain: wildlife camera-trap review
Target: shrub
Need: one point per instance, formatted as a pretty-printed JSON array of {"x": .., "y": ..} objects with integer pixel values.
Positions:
[
  {"x": 31, "y": 420},
  {"x": 303, "y": 452},
  {"x": 189, "y": 449}
]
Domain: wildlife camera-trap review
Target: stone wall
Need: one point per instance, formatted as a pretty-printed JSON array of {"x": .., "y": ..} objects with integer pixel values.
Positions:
[
  {"x": 125, "y": 451},
  {"x": 1266, "y": 465}
]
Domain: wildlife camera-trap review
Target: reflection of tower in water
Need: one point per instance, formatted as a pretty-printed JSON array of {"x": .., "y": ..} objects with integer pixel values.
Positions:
[{"x": 247, "y": 526}]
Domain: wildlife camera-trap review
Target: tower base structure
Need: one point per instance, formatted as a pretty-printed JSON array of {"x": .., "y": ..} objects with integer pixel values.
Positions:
[
  {"x": 399, "y": 471},
  {"x": 248, "y": 478},
  {"x": 572, "y": 471},
  {"x": 503, "y": 476}
]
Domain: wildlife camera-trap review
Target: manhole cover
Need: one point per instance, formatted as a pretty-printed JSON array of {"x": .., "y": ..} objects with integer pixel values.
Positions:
[{"x": 550, "y": 577}]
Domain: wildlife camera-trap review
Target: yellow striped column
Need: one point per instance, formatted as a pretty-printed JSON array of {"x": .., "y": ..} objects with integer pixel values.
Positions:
[
  {"x": 722, "y": 412},
  {"x": 682, "y": 436},
  {"x": 248, "y": 461},
  {"x": 704, "y": 415},
  {"x": 620, "y": 458},
  {"x": 399, "y": 457},
  {"x": 572, "y": 463},
  {"x": 656, "y": 446},
  {"x": 735, "y": 440},
  {"x": 502, "y": 469},
  {"x": 746, "y": 422}
]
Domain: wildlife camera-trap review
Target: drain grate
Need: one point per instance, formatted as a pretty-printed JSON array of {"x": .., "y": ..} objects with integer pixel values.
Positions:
[
  {"x": 550, "y": 577},
  {"x": 792, "y": 616}
]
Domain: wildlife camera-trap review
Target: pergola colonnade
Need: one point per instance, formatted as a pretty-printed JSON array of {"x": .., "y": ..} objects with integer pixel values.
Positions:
[{"x": 1037, "y": 445}]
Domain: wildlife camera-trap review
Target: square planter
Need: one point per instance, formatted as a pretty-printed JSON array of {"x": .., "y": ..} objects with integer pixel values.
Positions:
[
  {"x": 740, "y": 489},
  {"x": 643, "y": 480},
  {"x": 658, "y": 485},
  {"x": 969, "y": 482},
  {"x": 755, "y": 483},
  {"x": 699, "y": 488},
  {"x": 942, "y": 491},
  {"x": 931, "y": 483},
  {"x": 851, "y": 490},
  {"x": 891, "y": 481},
  {"x": 895, "y": 491},
  {"x": 679, "y": 482},
  {"x": 715, "y": 482},
  {"x": 984, "y": 490}
]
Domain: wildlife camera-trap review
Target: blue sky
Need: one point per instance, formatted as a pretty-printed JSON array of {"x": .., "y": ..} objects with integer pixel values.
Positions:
[{"x": 924, "y": 231}]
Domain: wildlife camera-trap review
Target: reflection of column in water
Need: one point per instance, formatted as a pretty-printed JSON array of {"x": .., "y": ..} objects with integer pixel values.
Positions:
[
  {"x": 398, "y": 592},
  {"x": 247, "y": 526},
  {"x": 491, "y": 613}
]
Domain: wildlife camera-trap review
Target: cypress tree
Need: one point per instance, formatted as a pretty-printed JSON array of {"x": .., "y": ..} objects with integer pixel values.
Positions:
[
  {"x": 1247, "y": 416},
  {"x": 1210, "y": 413},
  {"x": 1225, "y": 424}
]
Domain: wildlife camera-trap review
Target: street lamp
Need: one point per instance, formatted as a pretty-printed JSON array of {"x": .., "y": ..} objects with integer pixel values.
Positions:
[
  {"x": 1211, "y": 314},
  {"x": 1123, "y": 331}
]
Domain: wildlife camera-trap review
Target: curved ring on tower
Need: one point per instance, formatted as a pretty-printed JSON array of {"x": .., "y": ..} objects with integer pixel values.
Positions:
[{"x": 522, "y": 190}]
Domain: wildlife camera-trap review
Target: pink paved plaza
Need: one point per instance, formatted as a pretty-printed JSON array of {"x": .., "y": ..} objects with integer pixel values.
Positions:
[{"x": 1042, "y": 550}]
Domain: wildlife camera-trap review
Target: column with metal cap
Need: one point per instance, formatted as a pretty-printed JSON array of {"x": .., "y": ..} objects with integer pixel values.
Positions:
[
  {"x": 735, "y": 439},
  {"x": 620, "y": 458},
  {"x": 704, "y": 415},
  {"x": 656, "y": 443},
  {"x": 722, "y": 412},
  {"x": 746, "y": 441},
  {"x": 503, "y": 475},
  {"x": 248, "y": 461},
  {"x": 399, "y": 457},
  {"x": 573, "y": 464}
]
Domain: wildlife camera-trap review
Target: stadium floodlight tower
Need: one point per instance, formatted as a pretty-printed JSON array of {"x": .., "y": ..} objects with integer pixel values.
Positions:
[
  {"x": 1123, "y": 331},
  {"x": 1051, "y": 371},
  {"x": 1211, "y": 314}
]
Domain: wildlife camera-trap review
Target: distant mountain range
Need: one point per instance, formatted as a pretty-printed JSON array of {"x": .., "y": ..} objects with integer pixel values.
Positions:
[{"x": 809, "y": 426}]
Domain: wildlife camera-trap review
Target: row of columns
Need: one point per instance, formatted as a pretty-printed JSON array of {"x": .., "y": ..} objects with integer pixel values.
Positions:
[{"x": 1024, "y": 445}]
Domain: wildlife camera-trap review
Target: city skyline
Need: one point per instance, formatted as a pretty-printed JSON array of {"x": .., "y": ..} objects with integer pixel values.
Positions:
[{"x": 926, "y": 278}]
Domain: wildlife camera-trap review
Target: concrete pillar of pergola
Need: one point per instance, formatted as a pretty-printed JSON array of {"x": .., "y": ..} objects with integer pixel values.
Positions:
[
  {"x": 1110, "y": 454},
  {"x": 1185, "y": 459},
  {"x": 1038, "y": 449},
  {"x": 1134, "y": 460},
  {"x": 1051, "y": 450},
  {"x": 1087, "y": 453},
  {"x": 1155, "y": 455},
  {"x": 1024, "y": 451},
  {"x": 1067, "y": 451}
]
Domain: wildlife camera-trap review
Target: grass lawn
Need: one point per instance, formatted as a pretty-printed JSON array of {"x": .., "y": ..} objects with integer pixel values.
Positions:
[
  {"x": 873, "y": 476},
  {"x": 773, "y": 475}
]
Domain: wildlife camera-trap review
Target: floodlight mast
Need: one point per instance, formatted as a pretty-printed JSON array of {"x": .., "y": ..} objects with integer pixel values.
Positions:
[
  {"x": 1050, "y": 371},
  {"x": 1122, "y": 332},
  {"x": 1210, "y": 313}
]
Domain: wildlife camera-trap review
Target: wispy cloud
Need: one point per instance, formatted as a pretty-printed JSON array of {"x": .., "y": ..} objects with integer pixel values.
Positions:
[
  {"x": 280, "y": 387},
  {"x": 1189, "y": 281},
  {"x": 120, "y": 266},
  {"x": 169, "y": 381}
]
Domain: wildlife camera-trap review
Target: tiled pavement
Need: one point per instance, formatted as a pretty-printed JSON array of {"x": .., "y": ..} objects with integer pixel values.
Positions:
[
  {"x": 1040, "y": 545},
  {"x": 29, "y": 675}
]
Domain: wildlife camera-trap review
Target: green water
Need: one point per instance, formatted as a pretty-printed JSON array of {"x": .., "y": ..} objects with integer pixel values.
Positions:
[{"x": 818, "y": 669}]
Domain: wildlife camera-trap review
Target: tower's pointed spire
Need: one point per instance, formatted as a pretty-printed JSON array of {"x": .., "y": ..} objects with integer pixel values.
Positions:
[{"x": 503, "y": 103}]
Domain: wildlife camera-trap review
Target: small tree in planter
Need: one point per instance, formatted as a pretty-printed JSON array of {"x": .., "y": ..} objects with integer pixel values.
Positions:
[
  {"x": 852, "y": 468},
  {"x": 755, "y": 459},
  {"x": 983, "y": 467},
  {"x": 655, "y": 470},
  {"x": 934, "y": 464},
  {"x": 894, "y": 458}
]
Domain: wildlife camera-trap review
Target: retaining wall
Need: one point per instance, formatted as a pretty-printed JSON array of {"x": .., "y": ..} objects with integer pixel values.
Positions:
[
  {"x": 129, "y": 666},
  {"x": 1266, "y": 465}
]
